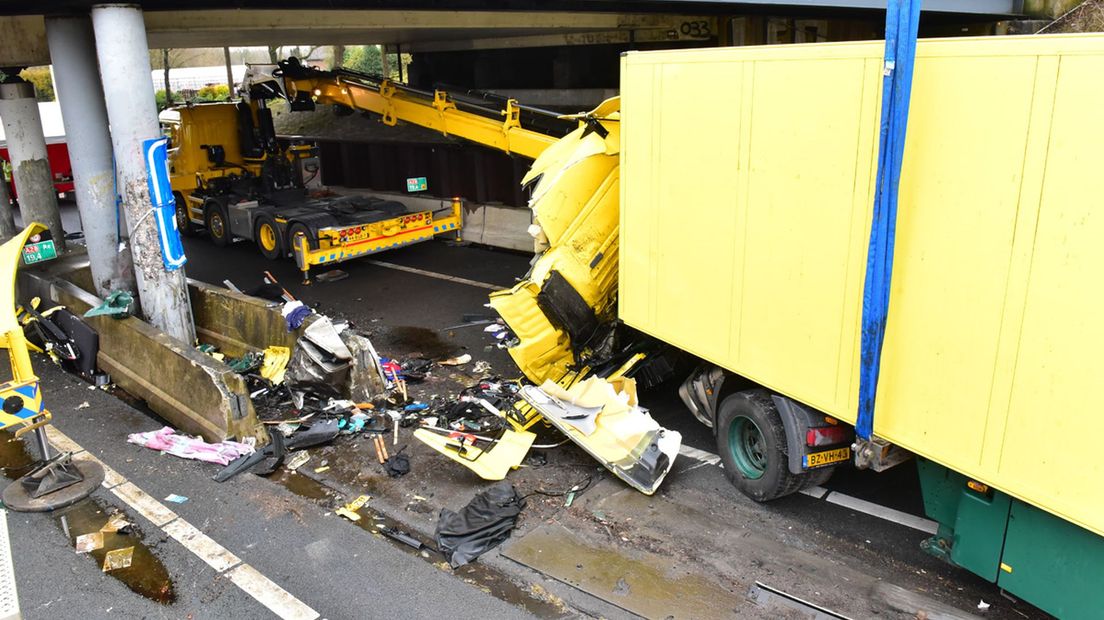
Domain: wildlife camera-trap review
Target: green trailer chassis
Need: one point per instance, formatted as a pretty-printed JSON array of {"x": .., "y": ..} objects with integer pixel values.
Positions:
[{"x": 1031, "y": 554}]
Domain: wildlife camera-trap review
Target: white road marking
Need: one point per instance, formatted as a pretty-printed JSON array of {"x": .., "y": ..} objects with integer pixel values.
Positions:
[
  {"x": 264, "y": 590},
  {"x": 9, "y": 597},
  {"x": 144, "y": 503},
  {"x": 439, "y": 276},
  {"x": 889, "y": 514},
  {"x": 834, "y": 497},
  {"x": 214, "y": 554},
  {"x": 272, "y": 596}
]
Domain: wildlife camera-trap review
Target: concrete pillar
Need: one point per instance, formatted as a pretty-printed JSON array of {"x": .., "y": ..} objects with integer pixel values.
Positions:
[
  {"x": 7, "y": 217},
  {"x": 80, "y": 95},
  {"x": 27, "y": 147},
  {"x": 132, "y": 112}
]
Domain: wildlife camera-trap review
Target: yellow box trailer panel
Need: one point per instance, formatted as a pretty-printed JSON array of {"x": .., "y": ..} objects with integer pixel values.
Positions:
[{"x": 747, "y": 188}]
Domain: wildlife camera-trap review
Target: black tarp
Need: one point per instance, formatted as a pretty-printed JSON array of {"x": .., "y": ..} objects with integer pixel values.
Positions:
[{"x": 480, "y": 526}]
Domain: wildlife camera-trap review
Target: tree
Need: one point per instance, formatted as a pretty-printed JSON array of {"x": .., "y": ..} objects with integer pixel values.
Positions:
[
  {"x": 42, "y": 80},
  {"x": 167, "y": 58},
  {"x": 277, "y": 53},
  {"x": 364, "y": 59}
]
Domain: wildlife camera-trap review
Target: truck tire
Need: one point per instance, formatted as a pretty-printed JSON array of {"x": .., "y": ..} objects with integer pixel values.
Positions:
[
  {"x": 297, "y": 229},
  {"x": 183, "y": 220},
  {"x": 752, "y": 444},
  {"x": 217, "y": 223},
  {"x": 267, "y": 236}
]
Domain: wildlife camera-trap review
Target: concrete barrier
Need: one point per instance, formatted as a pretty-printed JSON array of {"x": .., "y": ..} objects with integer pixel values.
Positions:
[{"x": 194, "y": 392}]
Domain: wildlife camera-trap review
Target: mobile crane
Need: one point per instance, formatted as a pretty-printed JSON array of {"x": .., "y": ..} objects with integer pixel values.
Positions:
[{"x": 233, "y": 177}]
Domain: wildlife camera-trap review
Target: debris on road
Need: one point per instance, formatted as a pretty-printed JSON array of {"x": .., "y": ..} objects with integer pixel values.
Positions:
[
  {"x": 349, "y": 511},
  {"x": 456, "y": 361},
  {"x": 117, "y": 305},
  {"x": 176, "y": 499},
  {"x": 118, "y": 558},
  {"x": 604, "y": 419},
  {"x": 297, "y": 460},
  {"x": 331, "y": 276},
  {"x": 87, "y": 543},
  {"x": 480, "y": 526},
  {"x": 166, "y": 440}
]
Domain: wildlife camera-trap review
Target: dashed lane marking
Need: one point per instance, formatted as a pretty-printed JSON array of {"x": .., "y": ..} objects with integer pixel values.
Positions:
[
  {"x": 439, "y": 276},
  {"x": 264, "y": 590},
  {"x": 272, "y": 596},
  {"x": 833, "y": 497}
]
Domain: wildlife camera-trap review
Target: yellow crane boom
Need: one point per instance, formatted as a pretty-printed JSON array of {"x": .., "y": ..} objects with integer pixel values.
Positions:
[{"x": 437, "y": 110}]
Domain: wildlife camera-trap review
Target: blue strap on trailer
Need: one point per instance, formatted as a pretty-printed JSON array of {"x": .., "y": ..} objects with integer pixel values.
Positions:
[{"x": 902, "y": 19}]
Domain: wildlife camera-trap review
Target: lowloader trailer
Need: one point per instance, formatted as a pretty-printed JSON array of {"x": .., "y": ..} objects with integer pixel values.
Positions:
[{"x": 722, "y": 207}]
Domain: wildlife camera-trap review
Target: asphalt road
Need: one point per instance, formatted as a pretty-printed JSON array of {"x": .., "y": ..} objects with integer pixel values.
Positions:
[{"x": 342, "y": 571}]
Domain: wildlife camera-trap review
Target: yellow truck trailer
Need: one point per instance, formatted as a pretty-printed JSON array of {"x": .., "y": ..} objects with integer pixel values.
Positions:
[{"x": 746, "y": 181}]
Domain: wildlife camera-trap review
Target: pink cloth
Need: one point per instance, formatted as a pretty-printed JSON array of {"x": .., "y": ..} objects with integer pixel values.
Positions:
[{"x": 166, "y": 440}]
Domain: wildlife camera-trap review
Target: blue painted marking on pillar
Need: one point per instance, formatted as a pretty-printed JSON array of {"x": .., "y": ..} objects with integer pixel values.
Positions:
[
  {"x": 902, "y": 18},
  {"x": 164, "y": 205}
]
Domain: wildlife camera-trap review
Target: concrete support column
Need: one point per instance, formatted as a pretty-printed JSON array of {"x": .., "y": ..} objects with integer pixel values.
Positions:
[
  {"x": 31, "y": 174},
  {"x": 7, "y": 217},
  {"x": 80, "y": 94},
  {"x": 132, "y": 112}
]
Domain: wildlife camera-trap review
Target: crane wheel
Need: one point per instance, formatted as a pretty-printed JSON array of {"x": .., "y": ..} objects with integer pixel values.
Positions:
[
  {"x": 217, "y": 222},
  {"x": 183, "y": 220},
  {"x": 267, "y": 235}
]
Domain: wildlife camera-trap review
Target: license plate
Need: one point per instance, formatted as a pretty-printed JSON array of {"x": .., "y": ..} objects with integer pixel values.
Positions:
[{"x": 819, "y": 459}]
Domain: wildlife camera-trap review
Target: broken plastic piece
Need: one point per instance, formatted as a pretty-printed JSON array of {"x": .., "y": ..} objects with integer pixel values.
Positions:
[
  {"x": 116, "y": 523},
  {"x": 349, "y": 511},
  {"x": 275, "y": 363},
  {"x": 401, "y": 536},
  {"x": 118, "y": 305},
  {"x": 456, "y": 361},
  {"x": 297, "y": 460},
  {"x": 89, "y": 542},
  {"x": 489, "y": 462},
  {"x": 118, "y": 558},
  {"x": 625, "y": 439},
  {"x": 176, "y": 499}
]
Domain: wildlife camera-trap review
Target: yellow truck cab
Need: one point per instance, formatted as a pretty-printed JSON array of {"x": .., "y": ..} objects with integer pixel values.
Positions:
[{"x": 233, "y": 177}]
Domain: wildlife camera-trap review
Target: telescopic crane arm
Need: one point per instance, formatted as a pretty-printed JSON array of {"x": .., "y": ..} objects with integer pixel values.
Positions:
[{"x": 499, "y": 129}]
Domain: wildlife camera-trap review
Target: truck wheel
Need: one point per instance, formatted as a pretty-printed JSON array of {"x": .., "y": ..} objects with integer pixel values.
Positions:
[
  {"x": 295, "y": 231},
  {"x": 267, "y": 236},
  {"x": 218, "y": 224},
  {"x": 183, "y": 221},
  {"x": 752, "y": 444}
]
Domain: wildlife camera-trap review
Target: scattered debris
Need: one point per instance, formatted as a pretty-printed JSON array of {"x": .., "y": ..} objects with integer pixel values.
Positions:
[
  {"x": 349, "y": 511},
  {"x": 331, "y": 276},
  {"x": 117, "y": 523},
  {"x": 319, "y": 470},
  {"x": 118, "y": 558},
  {"x": 398, "y": 465},
  {"x": 176, "y": 499},
  {"x": 604, "y": 419},
  {"x": 295, "y": 313},
  {"x": 117, "y": 305},
  {"x": 456, "y": 361},
  {"x": 83, "y": 405},
  {"x": 481, "y": 367},
  {"x": 983, "y": 606},
  {"x": 297, "y": 460},
  {"x": 166, "y": 440},
  {"x": 480, "y": 526},
  {"x": 401, "y": 536},
  {"x": 89, "y": 542}
]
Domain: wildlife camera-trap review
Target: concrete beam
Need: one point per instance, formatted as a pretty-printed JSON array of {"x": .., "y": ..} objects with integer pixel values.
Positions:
[
  {"x": 261, "y": 27},
  {"x": 704, "y": 29},
  {"x": 23, "y": 41}
]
